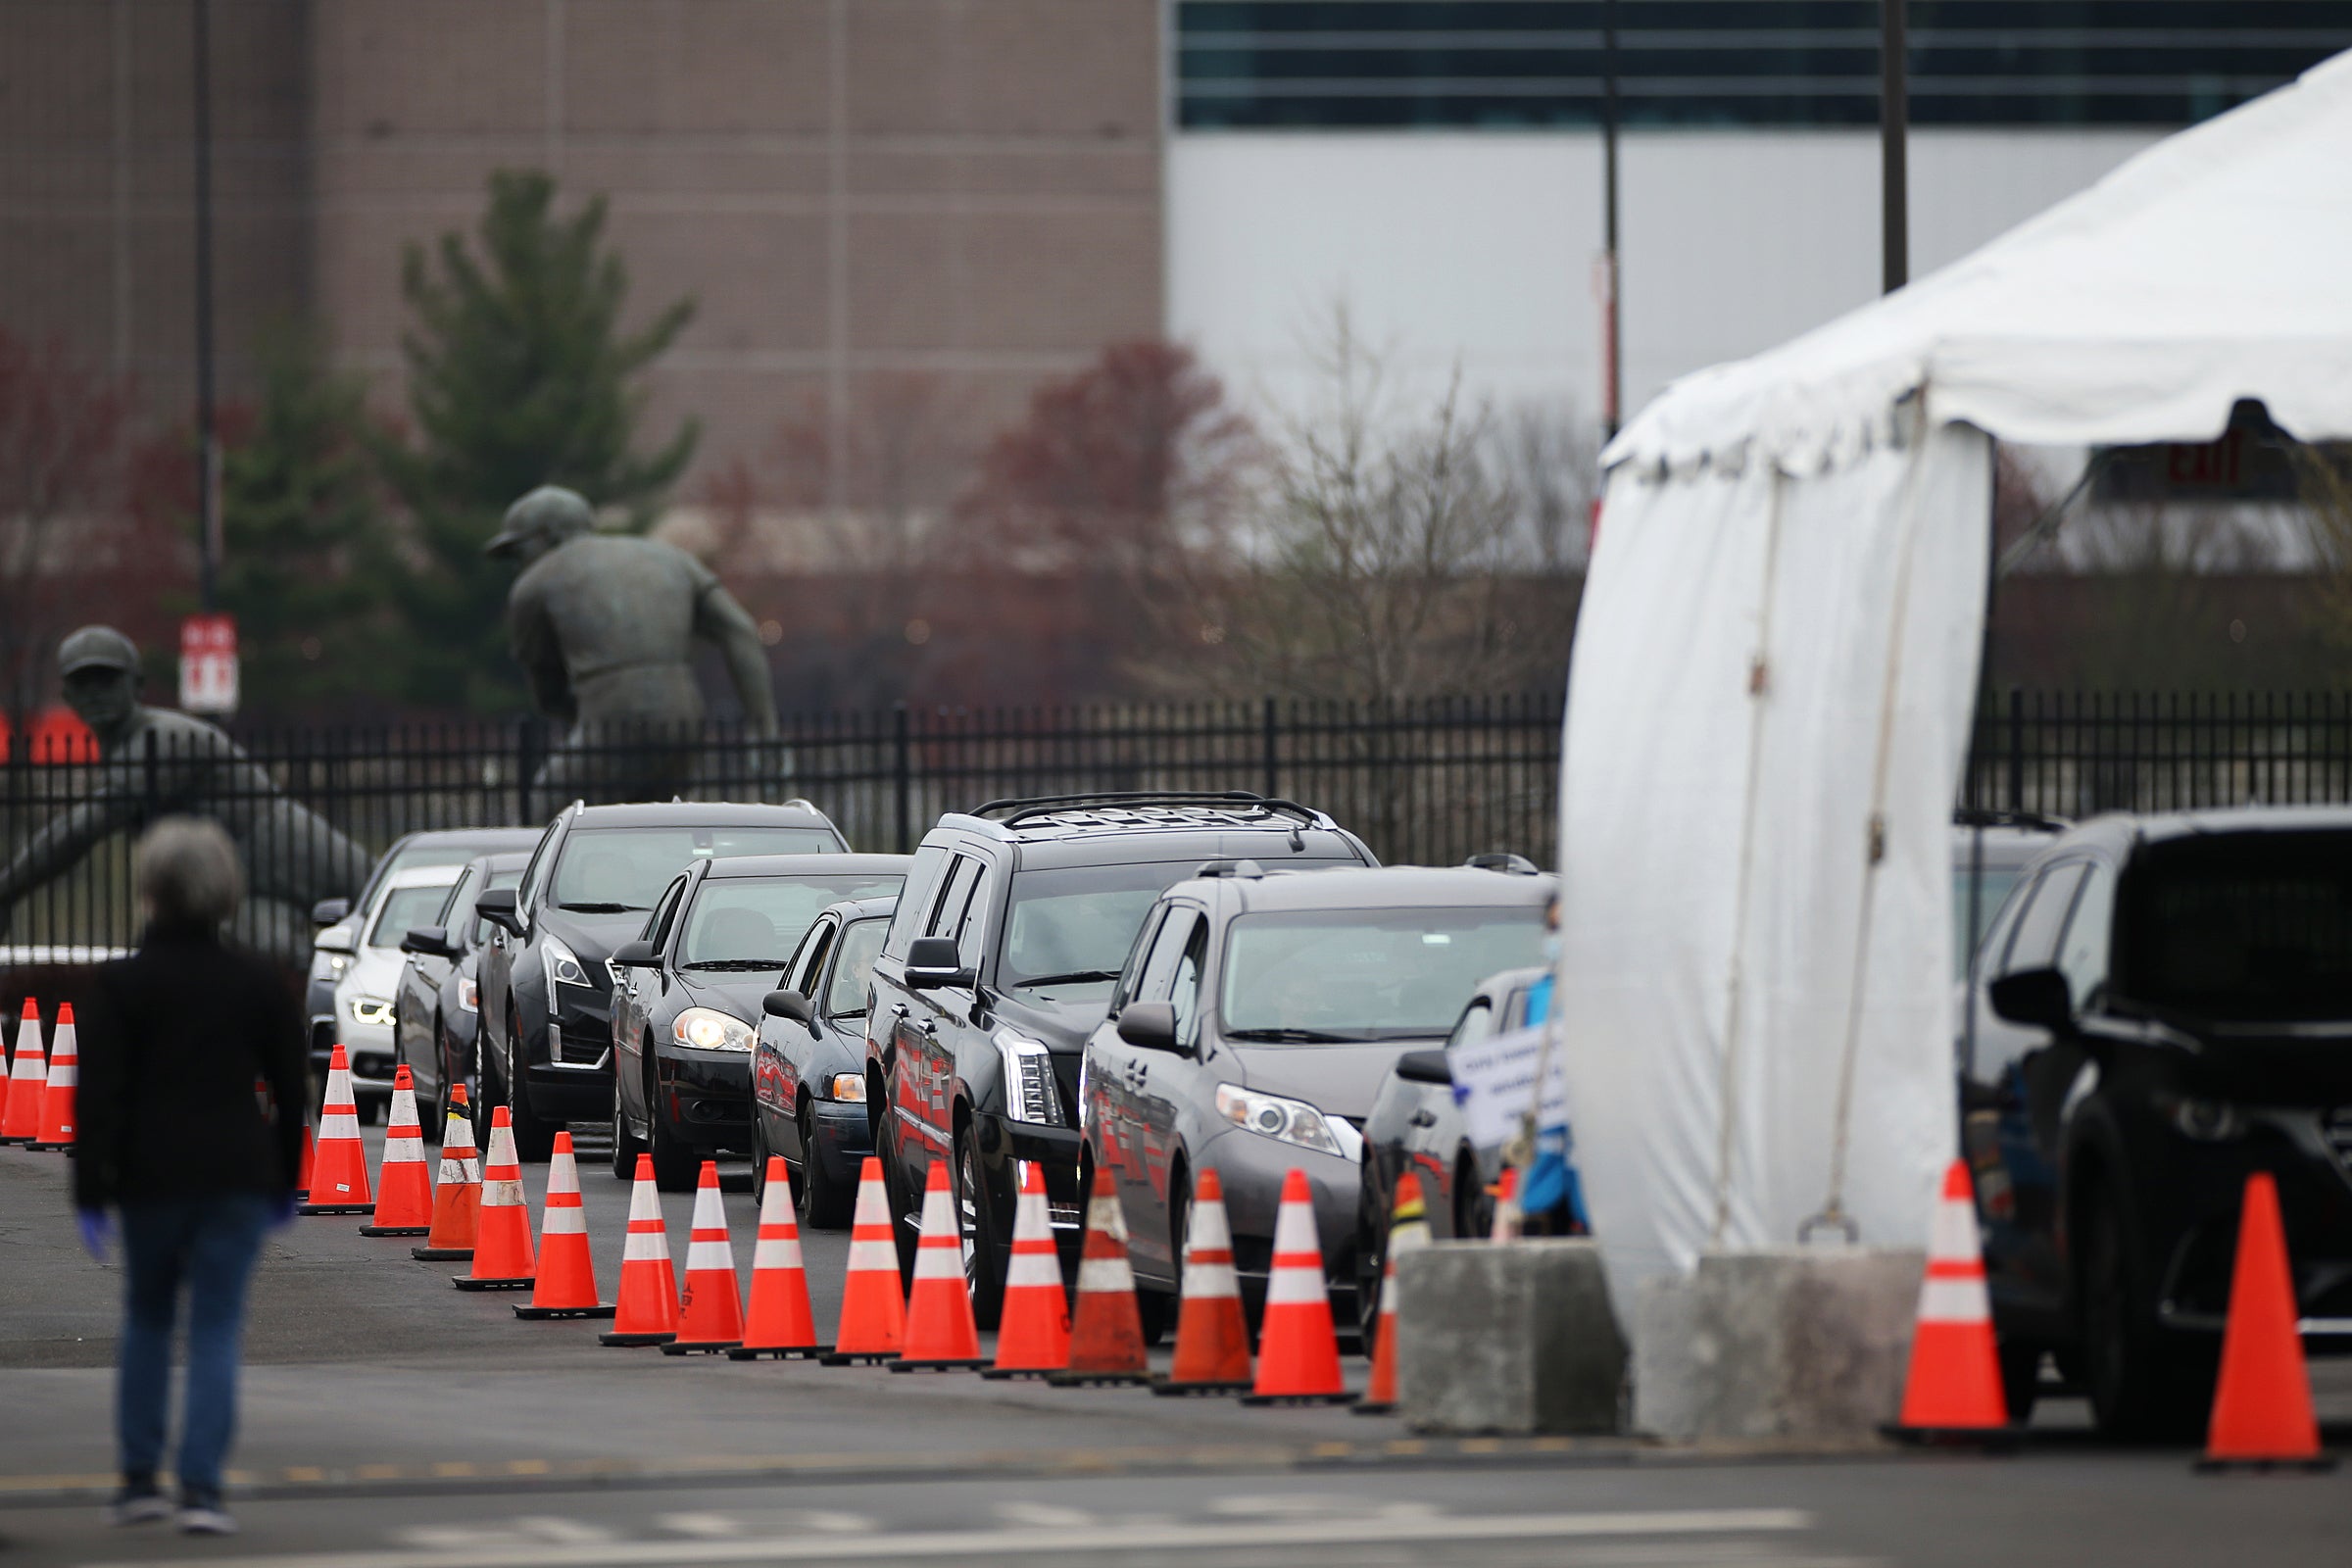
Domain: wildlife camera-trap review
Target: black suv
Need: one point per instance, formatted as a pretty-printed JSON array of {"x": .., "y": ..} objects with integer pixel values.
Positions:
[
  {"x": 545, "y": 980},
  {"x": 2163, "y": 1006},
  {"x": 1017, "y": 920}
]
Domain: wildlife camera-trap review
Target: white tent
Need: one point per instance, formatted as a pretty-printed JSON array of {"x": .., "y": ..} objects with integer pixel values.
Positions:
[{"x": 1777, "y": 654}]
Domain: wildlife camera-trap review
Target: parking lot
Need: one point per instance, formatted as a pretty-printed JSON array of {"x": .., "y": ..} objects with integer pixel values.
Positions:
[{"x": 392, "y": 1420}]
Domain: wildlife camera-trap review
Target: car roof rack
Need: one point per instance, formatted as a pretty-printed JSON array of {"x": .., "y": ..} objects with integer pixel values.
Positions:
[
  {"x": 1013, "y": 812},
  {"x": 1213, "y": 869},
  {"x": 1502, "y": 861}
]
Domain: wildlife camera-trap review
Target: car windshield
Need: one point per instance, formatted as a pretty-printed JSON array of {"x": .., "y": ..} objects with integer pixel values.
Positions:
[
  {"x": 403, "y": 910},
  {"x": 613, "y": 870},
  {"x": 749, "y": 924},
  {"x": 853, "y": 970},
  {"x": 1996, "y": 884},
  {"x": 1070, "y": 929},
  {"x": 2247, "y": 927},
  {"x": 1320, "y": 977}
]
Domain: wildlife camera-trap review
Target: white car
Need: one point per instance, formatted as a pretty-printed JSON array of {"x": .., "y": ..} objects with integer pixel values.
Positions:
[{"x": 404, "y": 900}]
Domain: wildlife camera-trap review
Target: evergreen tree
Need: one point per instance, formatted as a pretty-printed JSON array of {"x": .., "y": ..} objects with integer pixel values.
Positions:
[
  {"x": 300, "y": 512},
  {"x": 519, "y": 374}
]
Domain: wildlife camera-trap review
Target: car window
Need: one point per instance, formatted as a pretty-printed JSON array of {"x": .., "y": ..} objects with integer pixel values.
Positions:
[
  {"x": 972, "y": 928},
  {"x": 853, "y": 970},
  {"x": 534, "y": 874},
  {"x": 809, "y": 959},
  {"x": 1131, "y": 973},
  {"x": 456, "y": 903},
  {"x": 2252, "y": 927},
  {"x": 955, "y": 894},
  {"x": 1071, "y": 930},
  {"x": 1316, "y": 976},
  {"x": 1184, "y": 986},
  {"x": 2082, "y": 951},
  {"x": 1167, "y": 947},
  {"x": 656, "y": 924},
  {"x": 2034, "y": 945},
  {"x": 610, "y": 871},
  {"x": 1515, "y": 1007},
  {"x": 403, "y": 910},
  {"x": 479, "y": 932},
  {"x": 1476, "y": 1023},
  {"x": 915, "y": 901},
  {"x": 1994, "y": 888},
  {"x": 749, "y": 923}
]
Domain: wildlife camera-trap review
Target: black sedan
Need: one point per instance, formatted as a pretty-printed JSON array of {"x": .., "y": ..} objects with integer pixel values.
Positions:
[
  {"x": 547, "y": 978},
  {"x": 685, "y": 1008},
  {"x": 808, "y": 1063},
  {"x": 437, "y": 1004}
]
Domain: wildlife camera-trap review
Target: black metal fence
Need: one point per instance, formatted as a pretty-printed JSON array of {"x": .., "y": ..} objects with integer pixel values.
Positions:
[{"x": 1423, "y": 782}]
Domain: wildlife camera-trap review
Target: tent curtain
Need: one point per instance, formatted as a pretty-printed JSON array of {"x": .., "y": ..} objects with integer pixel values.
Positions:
[{"x": 1757, "y": 1001}]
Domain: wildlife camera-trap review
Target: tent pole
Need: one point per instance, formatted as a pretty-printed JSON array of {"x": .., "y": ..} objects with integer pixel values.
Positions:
[{"x": 1894, "y": 124}]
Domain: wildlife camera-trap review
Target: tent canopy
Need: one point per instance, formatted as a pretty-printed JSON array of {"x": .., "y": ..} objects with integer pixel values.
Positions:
[{"x": 1775, "y": 662}]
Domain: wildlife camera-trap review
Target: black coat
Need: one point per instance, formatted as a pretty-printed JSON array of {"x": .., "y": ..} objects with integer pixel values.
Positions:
[{"x": 171, "y": 1042}]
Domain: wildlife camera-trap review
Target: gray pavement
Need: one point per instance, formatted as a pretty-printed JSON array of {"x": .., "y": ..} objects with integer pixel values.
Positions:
[{"x": 391, "y": 1420}]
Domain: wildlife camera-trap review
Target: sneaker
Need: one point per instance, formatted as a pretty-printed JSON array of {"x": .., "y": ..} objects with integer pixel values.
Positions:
[
  {"x": 204, "y": 1516},
  {"x": 138, "y": 1504}
]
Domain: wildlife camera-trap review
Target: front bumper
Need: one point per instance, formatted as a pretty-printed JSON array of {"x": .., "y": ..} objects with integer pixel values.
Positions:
[
  {"x": 1252, "y": 1169},
  {"x": 368, "y": 1051},
  {"x": 569, "y": 1075},
  {"x": 841, "y": 1137},
  {"x": 705, "y": 1097}
]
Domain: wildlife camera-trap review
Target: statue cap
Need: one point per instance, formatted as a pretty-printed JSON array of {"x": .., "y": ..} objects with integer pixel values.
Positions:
[
  {"x": 97, "y": 646},
  {"x": 549, "y": 511}
]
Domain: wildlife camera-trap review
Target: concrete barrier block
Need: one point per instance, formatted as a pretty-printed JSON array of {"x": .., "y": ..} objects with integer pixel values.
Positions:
[
  {"x": 1803, "y": 1344},
  {"x": 1509, "y": 1338}
]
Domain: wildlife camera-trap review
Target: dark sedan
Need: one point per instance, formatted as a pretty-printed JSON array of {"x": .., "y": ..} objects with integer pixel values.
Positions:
[
  {"x": 808, "y": 1063},
  {"x": 436, "y": 1006},
  {"x": 689, "y": 996}
]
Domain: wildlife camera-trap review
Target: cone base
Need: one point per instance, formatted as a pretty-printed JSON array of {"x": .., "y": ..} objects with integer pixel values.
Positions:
[
  {"x": 999, "y": 1374},
  {"x": 15, "y": 1140},
  {"x": 857, "y": 1358},
  {"x": 973, "y": 1365},
  {"x": 1341, "y": 1397},
  {"x": 1170, "y": 1387},
  {"x": 48, "y": 1148},
  {"x": 396, "y": 1230},
  {"x": 1066, "y": 1379},
  {"x": 1992, "y": 1440},
  {"x": 782, "y": 1352},
  {"x": 1366, "y": 1407},
  {"x": 442, "y": 1254},
  {"x": 699, "y": 1347},
  {"x": 336, "y": 1208},
  {"x": 2315, "y": 1464},
  {"x": 467, "y": 1282},
  {"x": 632, "y": 1340},
  {"x": 535, "y": 1315}
]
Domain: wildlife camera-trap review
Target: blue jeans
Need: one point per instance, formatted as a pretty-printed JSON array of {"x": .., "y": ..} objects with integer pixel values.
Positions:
[{"x": 205, "y": 1246}]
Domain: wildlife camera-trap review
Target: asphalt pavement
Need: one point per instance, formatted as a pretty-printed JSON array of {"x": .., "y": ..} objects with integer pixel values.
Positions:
[{"x": 391, "y": 1420}]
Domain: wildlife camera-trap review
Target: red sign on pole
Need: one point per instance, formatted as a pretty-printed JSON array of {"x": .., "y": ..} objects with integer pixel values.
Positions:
[{"x": 208, "y": 665}]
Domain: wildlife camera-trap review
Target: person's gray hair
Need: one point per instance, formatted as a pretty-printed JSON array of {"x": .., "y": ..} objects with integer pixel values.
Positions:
[{"x": 188, "y": 871}]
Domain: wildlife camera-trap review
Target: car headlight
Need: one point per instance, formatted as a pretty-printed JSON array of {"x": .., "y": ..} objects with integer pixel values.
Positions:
[
  {"x": 470, "y": 995},
  {"x": 2208, "y": 1121},
  {"x": 330, "y": 965},
  {"x": 1029, "y": 1092},
  {"x": 846, "y": 1086},
  {"x": 374, "y": 1011},
  {"x": 708, "y": 1029},
  {"x": 1292, "y": 1121},
  {"x": 564, "y": 966}
]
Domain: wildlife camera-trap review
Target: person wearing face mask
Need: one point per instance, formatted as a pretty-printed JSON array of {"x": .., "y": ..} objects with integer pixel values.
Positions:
[{"x": 1551, "y": 1200}]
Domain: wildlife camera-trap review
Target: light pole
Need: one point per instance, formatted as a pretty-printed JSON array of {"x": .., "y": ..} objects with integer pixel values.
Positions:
[
  {"x": 1611, "y": 350},
  {"x": 208, "y": 441},
  {"x": 1894, "y": 185}
]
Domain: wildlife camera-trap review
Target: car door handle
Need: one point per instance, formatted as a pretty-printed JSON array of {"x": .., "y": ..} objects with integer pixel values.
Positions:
[
  {"x": 1423, "y": 1119},
  {"x": 928, "y": 1028},
  {"x": 898, "y": 1009}
]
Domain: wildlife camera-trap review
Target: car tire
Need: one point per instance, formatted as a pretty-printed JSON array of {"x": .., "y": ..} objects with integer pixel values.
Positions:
[
  {"x": 984, "y": 1253},
  {"x": 902, "y": 1234},
  {"x": 369, "y": 1108},
  {"x": 2143, "y": 1385},
  {"x": 625, "y": 1147},
  {"x": 534, "y": 1138},
  {"x": 826, "y": 1201},
  {"x": 2021, "y": 1381},
  {"x": 1473, "y": 1207},
  {"x": 677, "y": 1164},
  {"x": 760, "y": 1156}
]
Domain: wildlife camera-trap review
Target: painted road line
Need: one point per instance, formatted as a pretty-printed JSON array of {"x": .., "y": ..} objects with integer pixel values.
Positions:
[{"x": 1254, "y": 1535}]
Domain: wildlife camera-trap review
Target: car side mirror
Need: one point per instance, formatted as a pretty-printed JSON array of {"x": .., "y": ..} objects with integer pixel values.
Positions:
[
  {"x": 431, "y": 941},
  {"x": 638, "y": 954},
  {"x": 788, "y": 1004},
  {"x": 2041, "y": 997},
  {"x": 933, "y": 963},
  {"x": 1425, "y": 1067},
  {"x": 497, "y": 905},
  {"x": 1150, "y": 1025},
  {"x": 327, "y": 912}
]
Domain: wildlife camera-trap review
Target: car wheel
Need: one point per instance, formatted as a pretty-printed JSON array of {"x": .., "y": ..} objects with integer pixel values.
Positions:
[
  {"x": 2140, "y": 1387},
  {"x": 625, "y": 1147},
  {"x": 984, "y": 1260},
  {"x": 477, "y": 1084},
  {"x": 759, "y": 1153},
  {"x": 826, "y": 1201},
  {"x": 904, "y": 1233},
  {"x": 429, "y": 1112},
  {"x": 2021, "y": 1381},
  {"x": 1154, "y": 1308},
  {"x": 676, "y": 1163},
  {"x": 1371, "y": 1259},
  {"x": 534, "y": 1138}
]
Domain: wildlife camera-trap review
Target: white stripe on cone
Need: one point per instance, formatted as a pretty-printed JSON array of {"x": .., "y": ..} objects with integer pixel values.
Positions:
[
  {"x": 1292, "y": 1283},
  {"x": 1205, "y": 1276},
  {"x": 344, "y": 1123},
  {"x": 1952, "y": 1233},
  {"x": 940, "y": 1255},
  {"x": 776, "y": 1252},
  {"x": 646, "y": 1247},
  {"x": 1949, "y": 1300},
  {"x": 64, "y": 1058}
]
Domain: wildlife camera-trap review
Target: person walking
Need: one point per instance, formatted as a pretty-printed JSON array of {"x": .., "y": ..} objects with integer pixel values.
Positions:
[{"x": 173, "y": 1136}]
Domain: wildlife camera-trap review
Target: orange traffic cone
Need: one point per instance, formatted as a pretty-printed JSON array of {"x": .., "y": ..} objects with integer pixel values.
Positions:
[
  {"x": 1033, "y": 1332},
  {"x": 647, "y": 1312},
  {"x": 1408, "y": 1231},
  {"x": 1506, "y": 1206},
  {"x": 1954, "y": 1385},
  {"x": 941, "y": 1334},
  {"x": 457, "y": 1190},
  {"x": 1298, "y": 1354},
  {"x": 873, "y": 1315},
  {"x": 711, "y": 1313},
  {"x": 2262, "y": 1411},
  {"x": 1213, "y": 1338},
  {"x": 502, "y": 1241},
  {"x": 566, "y": 1283},
  {"x": 56, "y": 1103},
  {"x": 1106, "y": 1335},
  {"x": 339, "y": 1167},
  {"x": 28, "y": 1081},
  {"x": 404, "y": 1196},
  {"x": 778, "y": 1322}
]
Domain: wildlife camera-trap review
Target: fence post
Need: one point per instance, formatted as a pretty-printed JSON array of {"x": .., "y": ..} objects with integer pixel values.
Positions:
[
  {"x": 2017, "y": 749},
  {"x": 901, "y": 778},
  {"x": 1272, "y": 752},
  {"x": 527, "y": 769}
]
